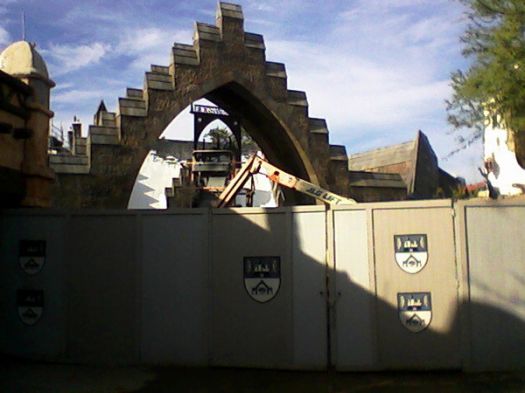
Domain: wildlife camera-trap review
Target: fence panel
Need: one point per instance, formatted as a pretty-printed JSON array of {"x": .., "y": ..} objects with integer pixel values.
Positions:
[
  {"x": 37, "y": 337},
  {"x": 103, "y": 288},
  {"x": 354, "y": 345},
  {"x": 175, "y": 288},
  {"x": 252, "y": 298},
  {"x": 494, "y": 244},
  {"x": 416, "y": 276},
  {"x": 309, "y": 288}
]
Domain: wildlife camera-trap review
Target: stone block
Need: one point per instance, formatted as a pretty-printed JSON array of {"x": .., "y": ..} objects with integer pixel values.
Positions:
[
  {"x": 131, "y": 103},
  {"x": 338, "y": 153},
  {"x": 109, "y": 123},
  {"x": 318, "y": 126},
  {"x": 204, "y": 31},
  {"x": 230, "y": 10},
  {"x": 252, "y": 40},
  {"x": 275, "y": 70},
  {"x": 184, "y": 54},
  {"x": 297, "y": 98},
  {"x": 100, "y": 139},
  {"x": 160, "y": 69},
  {"x": 108, "y": 119},
  {"x": 135, "y": 112},
  {"x": 152, "y": 76},
  {"x": 71, "y": 169},
  {"x": 157, "y": 85},
  {"x": 157, "y": 81},
  {"x": 68, "y": 159},
  {"x": 134, "y": 93},
  {"x": 98, "y": 130}
]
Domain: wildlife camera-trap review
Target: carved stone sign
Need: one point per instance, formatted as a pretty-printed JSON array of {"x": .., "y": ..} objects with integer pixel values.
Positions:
[
  {"x": 262, "y": 277},
  {"x": 30, "y": 304},
  {"x": 415, "y": 310},
  {"x": 411, "y": 252},
  {"x": 32, "y": 255}
]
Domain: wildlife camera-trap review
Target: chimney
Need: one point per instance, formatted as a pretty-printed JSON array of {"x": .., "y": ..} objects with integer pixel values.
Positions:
[{"x": 77, "y": 127}]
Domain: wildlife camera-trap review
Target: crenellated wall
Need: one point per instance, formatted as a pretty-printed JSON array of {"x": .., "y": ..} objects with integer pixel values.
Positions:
[{"x": 226, "y": 65}]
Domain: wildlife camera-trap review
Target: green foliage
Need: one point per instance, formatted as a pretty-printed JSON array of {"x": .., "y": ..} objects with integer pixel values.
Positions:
[
  {"x": 248, "y": 144},
  {"x": 460, "y": 192},
  {"x": 494, "y": 83},
  {"x": 223, "y": 139}
]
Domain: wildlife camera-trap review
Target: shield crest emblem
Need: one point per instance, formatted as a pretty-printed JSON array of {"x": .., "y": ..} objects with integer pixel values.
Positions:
[
  {"x": 262, "y": 277},
  {"x": 32, "y": 255},
  {"x": 415, "y": 310},
  {"x": 30, "y": 305},
  {"x": 411, "y": 252}
]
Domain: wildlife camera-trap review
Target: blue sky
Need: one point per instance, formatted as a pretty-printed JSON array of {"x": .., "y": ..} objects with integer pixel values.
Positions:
[{"x": 376, "y": 70}]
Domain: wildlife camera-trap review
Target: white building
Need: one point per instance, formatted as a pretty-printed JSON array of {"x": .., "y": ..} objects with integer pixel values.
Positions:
[
  {"x": 504, "y": 172},
  {"x": 157, "y": 173}
]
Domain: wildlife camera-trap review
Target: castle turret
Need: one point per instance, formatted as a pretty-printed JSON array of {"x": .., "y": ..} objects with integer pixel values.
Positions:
[{"x": 22, "y": 61}]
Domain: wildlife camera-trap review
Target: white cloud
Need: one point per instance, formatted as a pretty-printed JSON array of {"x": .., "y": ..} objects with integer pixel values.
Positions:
[
  {"x": 261, "y": 6},
  {"x": 77, "y": 96},
  {"x": 63, "y": 86},
  {"x": 5, "y": 38},
  {"x": 88, "y": 12},
  {"x": 379, "y": 73},
  {"x": 67, "y": 58},
  {"x": 354, "y": 92},
  {"x": 150, "y": 45}
]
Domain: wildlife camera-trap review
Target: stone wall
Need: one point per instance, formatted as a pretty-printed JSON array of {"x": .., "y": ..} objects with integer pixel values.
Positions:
[{"x": 226, "y": 65}]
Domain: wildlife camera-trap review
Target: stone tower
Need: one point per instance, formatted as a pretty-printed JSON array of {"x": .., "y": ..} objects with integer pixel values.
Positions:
[{"x": 23, "y": 62}]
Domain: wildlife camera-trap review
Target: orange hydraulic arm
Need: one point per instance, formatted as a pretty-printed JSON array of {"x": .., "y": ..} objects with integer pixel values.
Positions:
[{"x": 256, "y": 164}]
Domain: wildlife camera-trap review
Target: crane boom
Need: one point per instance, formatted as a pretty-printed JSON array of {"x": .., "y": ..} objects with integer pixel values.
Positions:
[{"x": 256, "y": 164}]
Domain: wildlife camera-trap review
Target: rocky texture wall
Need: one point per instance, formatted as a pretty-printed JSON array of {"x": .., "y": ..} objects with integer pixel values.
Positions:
[{"x": 226, "y": 65}]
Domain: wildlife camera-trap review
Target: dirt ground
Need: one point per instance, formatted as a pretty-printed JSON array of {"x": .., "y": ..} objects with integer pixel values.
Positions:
[{"x": 28, "y": 377}]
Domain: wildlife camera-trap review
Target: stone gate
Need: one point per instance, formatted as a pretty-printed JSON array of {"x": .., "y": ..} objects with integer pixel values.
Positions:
[{"x": 227, "y": 66}]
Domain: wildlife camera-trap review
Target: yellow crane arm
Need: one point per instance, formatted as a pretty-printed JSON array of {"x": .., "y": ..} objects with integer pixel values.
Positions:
[{"x": 256, "y": 164}]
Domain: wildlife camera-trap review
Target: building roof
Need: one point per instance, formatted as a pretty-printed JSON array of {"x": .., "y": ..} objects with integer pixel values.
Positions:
[
  {"x": 383, "y": 156},
  {"x": 415, "y": 161},
  {"x": 21, "y": 59}
]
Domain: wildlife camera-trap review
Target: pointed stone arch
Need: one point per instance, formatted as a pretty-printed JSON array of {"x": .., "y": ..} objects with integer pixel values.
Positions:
[{"x": 227, "y": 66}]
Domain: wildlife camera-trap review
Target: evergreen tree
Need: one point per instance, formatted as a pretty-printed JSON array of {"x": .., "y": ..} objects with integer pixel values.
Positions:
[{"x": 495, "y": 81}]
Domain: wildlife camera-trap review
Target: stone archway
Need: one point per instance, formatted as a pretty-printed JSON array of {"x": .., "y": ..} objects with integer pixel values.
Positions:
[{"x": 228, "y": 67}]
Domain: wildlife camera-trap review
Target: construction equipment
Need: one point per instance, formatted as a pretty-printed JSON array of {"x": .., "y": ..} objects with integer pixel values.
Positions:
[
  {"x": 211, "y": 169},
  {"x": 256, "y": 164},
  {"x": 202, "y": 178}
]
